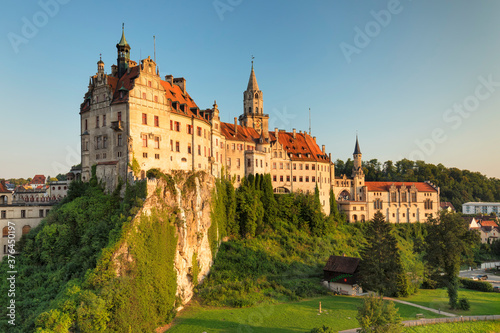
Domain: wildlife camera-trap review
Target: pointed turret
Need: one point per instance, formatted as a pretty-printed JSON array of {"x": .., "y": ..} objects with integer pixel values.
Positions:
[
  {"x": 252, "y": 81},
  {"x": 123, "y": 49},
  {"x": 356, "y": 148}
]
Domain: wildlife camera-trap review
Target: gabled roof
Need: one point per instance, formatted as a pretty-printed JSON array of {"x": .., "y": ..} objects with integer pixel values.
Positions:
[
  {"x": 38, "y": 179},
  {"x": 247, "y": 134},
  {"x": 341, "y": 264},
  {"x": 385, "y": 186},
  {"x": 302, "y": 147},
  {"x": 488, "y": 224},
  {"x": 3, "y": 189}
]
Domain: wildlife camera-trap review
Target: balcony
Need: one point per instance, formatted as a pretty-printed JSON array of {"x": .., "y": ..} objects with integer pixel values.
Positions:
[{"x": 117, "y": 125}]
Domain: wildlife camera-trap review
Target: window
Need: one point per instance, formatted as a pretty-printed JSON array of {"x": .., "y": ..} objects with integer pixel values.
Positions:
[
  {"x": 403, "y": 197},
  {"x": 104, "y": 120},
  {"x": 5, "y": 232},
  {"x": 157, "y": 156},
  {"x": 145, "y": 155},
  {"x": 198, "y": 131},
  {"x": 119, "y": 116},
  {"x": 249, "y": 162},
  {"x": 229, "y": 161},
  {"x": 157, "y": 121},
  {"x": 189, "y": 148},
  {"x": 281, "y": 178},
  {"x": 233, "y": 147},
  {"x": 377, "y": 204},
  {"x": 105, "y": 141},
  {"x": 143, "y": 95},
  {"x": 238, "y": 177},
  {"x": 300, "y": 179},
  {"x": 171, "y": 125},
  {"x": 300, "y": 166},
  {"x": 313, "y": 179},
  {"x": 354, "y": 208},
  {"x": 414, "y": 197},
  {"x": 86, "y": 124},
  {"x": 189, "y": 129},
  {"x": 177, "y": 126},
  {"x": 274, "y": 178},
  {"x": 307, "y": 166},
  {"x": 288, "y": 166},
  {"x": 144, "y": 119},
  {"x": 119, "y": 154},
  {"x": 40, "y": 213},
  {"x": 199, "y": 150},
  {"x": 237, "y": 162},
  {"x": 177, "y": 146},
  {"x": 144, "y": 140},
  {"x": 171, "y": 145},
  {"x": 274, "y": 165},
  {"x": 205, "y": 133},
  {"x": 120, "y": 140},
  {"x": 96, "y": 121},
  {"x": 287, "y": 178},
  {"x": 294, "y": 166},
  {"x": 294, "y": 178},
  {"x": 393, "y": 197},
  {"x": 157, "y": 142},
  {"x": 428, "y": 204},
  {"x": 23, "y": 213},
  {"x": 313, "y": 167},
  {"x": 4, "y": 214},
  {"x": 149, "y": 83},
  {"x": 307, "y": 179},
  {"x": 281, "y": 165}
]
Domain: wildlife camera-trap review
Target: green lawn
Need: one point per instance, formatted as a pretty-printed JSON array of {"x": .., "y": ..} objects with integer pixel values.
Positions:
[
  {"x": 467, "y": 327},
  {"x": 482, "y": 303},
  {"x": 339, "y": 312}
]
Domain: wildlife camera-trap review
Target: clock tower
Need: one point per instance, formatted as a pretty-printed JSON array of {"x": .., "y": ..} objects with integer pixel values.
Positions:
[{"x": 253, "y": 107}]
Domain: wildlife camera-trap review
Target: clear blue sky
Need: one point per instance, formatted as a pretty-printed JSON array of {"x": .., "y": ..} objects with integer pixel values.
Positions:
[{"x": 397, "y": 85}]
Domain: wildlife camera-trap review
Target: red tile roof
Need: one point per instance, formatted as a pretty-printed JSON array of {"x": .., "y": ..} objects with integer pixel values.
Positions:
[
  {"x": 488, "y": 224},
  {"x": 301, "y": 148},
  {"x": 38, "y": 179},
  {"x": 385, "y": 186},
  {"x": 247, "y": 134},
  {"x": 3, "y": 189}
]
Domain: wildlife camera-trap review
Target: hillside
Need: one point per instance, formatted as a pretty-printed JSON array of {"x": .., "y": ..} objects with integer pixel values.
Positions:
[{"x": 457, "y": 186}]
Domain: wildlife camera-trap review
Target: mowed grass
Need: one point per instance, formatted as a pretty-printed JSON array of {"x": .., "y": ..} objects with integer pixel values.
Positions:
[
  {"x": 339, "y": 312},
  {"x": 481, "y": 303},
  {"x": 467, "y": 327}
]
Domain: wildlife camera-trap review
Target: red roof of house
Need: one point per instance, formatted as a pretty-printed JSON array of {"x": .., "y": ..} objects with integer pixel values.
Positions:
[
  {"x": 301, "y": 148},
  {"x": 247, "y": 134},
  {"x": 3, "y": 189},
  {"x": 385, "y": 186},
  {"x": 341, "y": 264},
  {"x": 488, "y": 224},
  {"x": 38, "y": 179}
]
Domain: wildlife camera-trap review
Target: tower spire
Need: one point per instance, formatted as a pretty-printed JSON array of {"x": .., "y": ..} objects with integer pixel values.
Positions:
[
  {"x": 356, "y": 148},
  {"x": 123, "y": 49},
  {"x": 252, "y": 81}
]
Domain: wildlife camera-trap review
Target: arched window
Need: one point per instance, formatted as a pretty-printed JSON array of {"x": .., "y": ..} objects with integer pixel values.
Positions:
[
  {"x": 256, "y": 95},
  {"x": 26, "y": 229},
  {"x": 5, "y": 231},
  {"x": 362, "y": 218},
  {"x": 355, "y": 218}
]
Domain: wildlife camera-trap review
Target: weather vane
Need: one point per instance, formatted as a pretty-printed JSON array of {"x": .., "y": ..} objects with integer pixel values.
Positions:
[{"x": 252, "y": 59}]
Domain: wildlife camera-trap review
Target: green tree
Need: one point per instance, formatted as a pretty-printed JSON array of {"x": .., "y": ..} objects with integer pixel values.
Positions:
[
  {"x": 377, "y": 316},
  {"x": 381, "y": 269},
  {"x": 449, "y": 244}
]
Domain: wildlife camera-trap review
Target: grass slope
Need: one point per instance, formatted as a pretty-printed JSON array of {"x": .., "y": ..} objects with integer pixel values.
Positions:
[
  {"x": 339, "y": 312},
  {"x": 482, "y": 303}
]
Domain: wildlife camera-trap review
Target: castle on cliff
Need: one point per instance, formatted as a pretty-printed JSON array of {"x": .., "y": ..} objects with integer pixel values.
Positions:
[{"x": 133, "y": 120}]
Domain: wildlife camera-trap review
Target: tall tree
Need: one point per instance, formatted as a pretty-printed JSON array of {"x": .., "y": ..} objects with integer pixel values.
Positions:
[
  {"x": 449, "y": 244},
  {"x": 376, "y": 315},
  {"x": 381, "y": 269}
]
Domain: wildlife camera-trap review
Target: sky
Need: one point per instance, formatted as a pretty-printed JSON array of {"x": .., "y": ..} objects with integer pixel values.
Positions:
[{"x": 414, "y": 79}]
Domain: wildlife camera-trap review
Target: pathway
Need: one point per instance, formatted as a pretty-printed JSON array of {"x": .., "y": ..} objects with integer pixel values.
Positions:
[
  {"x": 421, "y": 322},
  {"x": 422, "y": 307}
]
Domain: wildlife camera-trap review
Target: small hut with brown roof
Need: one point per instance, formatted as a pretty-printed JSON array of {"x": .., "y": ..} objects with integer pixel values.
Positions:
[{"x": 341, "y": 274}]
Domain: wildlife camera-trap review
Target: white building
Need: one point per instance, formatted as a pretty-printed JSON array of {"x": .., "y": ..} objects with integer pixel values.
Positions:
[{"x": 481, "y": 208}]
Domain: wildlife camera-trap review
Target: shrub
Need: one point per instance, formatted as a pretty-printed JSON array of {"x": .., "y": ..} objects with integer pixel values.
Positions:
[
  {"x": 376, "y": 315},
  {"x": 476, "y": 285},
  {"x": 463, "y": 304},
  {"x": 323, "y": 329}
]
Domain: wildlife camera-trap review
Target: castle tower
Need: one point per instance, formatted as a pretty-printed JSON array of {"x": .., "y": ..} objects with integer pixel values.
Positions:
[
  {"x": 123, "y": 54},
  {"x": 357, "y": 174},
  {"x": 253, "y": 107},
  {"x": 100, "y": 66}
]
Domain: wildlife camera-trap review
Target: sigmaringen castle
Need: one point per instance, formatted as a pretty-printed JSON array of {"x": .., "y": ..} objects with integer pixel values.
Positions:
[{"x": 134, "y": 117}]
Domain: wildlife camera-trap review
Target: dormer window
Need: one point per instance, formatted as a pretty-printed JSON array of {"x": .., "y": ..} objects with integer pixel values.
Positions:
[{"x": 122, "y": 94}]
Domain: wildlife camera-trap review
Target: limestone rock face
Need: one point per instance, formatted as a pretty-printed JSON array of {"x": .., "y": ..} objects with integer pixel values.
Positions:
[{"x": 189, "y": 197}]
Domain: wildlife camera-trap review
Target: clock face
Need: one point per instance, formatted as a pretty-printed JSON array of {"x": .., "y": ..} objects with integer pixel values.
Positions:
[{"x": 258, "y": 123}]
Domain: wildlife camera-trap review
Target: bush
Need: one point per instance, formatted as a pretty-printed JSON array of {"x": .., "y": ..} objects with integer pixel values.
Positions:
[
  {"x": 376, "y": 315},
  {"x": 463, "y": 304},
  {"x": 476, "y": 285}
]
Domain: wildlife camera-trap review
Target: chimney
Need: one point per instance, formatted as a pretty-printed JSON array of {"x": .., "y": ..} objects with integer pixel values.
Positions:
[
  {"x": 314, "y": 138},
  {"x": 322, "y": 147},
  {"x": 169, "y": 79},
  {"x": 181, "y": 82},
  {"x": 300, "y": 131},
  {"x": 294, "y": 133},
  {"x": 330, "y": 156},
  {"x": 235, "y": 125}
]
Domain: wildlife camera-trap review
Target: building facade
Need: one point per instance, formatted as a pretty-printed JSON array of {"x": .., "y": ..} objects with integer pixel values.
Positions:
[
  {"x": 399, "y": 202},
  {"x": 133, "y": 120},
  {"x": 485, "y": 208}
]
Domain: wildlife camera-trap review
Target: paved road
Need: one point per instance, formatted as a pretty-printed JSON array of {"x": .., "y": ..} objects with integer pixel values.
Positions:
[
  {"x": 422, "y": 307},
  {"x": 494, "y": 279}
]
